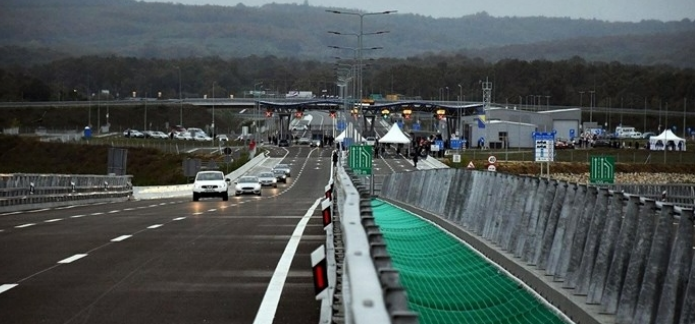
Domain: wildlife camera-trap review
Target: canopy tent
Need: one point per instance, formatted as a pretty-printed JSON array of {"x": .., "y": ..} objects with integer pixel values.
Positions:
[
  {"x": 394, "y": 136},
  {"x": 340, "y": 137},
  {"x": 666, "y": 141}
]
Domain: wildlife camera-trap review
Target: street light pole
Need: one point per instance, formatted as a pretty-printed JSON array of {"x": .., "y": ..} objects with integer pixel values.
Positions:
[
  {"x": 180, "y": 99},
  {"x": 212, "y": 126},
  {"x": 591, "y": 106},
  {"x": 359, "y": 39}
]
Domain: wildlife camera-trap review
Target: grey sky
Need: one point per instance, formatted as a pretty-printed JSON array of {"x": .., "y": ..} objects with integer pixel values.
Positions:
[{"x": 611, "y": 10}]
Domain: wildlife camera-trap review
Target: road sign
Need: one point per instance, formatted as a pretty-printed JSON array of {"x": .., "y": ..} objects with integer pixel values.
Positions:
[
  {"x": 440, "y": 144},
  {"x": 545, "y": 146},
  {"x": 340, "y": 125},
  {"x": 360, "y": 159},
  {"x": 227, "y": 151},
  {"x": 456, "y": 144},
  {"x": 416, "y": 126},
  {"x": 457, "y": 158},
  {"x": 602, "y": 169},
  {"x": 470, "y": 165},
  {"x": 572, "y": 134},
  {"x": 492, "y": 159},
  {"x": 492, "y": 168}
]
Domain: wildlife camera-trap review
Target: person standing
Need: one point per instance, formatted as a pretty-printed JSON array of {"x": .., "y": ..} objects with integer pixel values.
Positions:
[
  {"x": 335, "y": 158},
  {"x": 415, "y": 158}
]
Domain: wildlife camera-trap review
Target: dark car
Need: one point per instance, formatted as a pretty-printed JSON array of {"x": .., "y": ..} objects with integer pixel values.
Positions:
[
  {"x": 280, "y": 175},
  {"x": 284, "y": 143},
  {"x": 601, "y": 143}
]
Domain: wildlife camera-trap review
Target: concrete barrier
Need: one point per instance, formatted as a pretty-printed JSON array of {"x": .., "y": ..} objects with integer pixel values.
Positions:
[
  {"x": 178, "y": 191},
  {"x": 598, "y": 254}
]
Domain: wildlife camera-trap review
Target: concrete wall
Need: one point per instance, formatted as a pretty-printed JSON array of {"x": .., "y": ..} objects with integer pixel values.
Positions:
[{"x": 599, "y": 256}]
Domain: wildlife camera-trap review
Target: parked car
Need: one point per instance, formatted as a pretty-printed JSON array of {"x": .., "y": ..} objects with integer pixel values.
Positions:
[
  {"x": 601, "y": 143},
  {"x": 133, "y": 133},
  {"x": 268, "y": 179},
  {"x": 370, "y": 140},
  {"x": 647, "y": 135},
  {"x": 222, "y": 138},
  {"x": 210, "y": 184},
  {"x": 201, "y": 137},
  {"x": 280, "y": 175},
  {"x": 284, "y": 168},
  {"x": 247, "y": 185},
  {"x": 283, "y": 143},
  {"x": 183, "y": 136}
]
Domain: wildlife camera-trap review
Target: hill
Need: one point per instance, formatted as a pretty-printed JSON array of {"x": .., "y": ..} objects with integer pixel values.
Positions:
[{"x": 38, "y": 31}]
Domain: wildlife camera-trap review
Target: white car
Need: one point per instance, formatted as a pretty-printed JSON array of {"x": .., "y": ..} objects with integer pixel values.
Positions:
[
  {"x": 370, "y": 140},
  {"x": 183, "y": 136},
  {"x": 210, "y": 184},
  {"x": 222, "y": 138},
  {"x": 247, "y": 185},
  {"x": 202, "y": 137}
]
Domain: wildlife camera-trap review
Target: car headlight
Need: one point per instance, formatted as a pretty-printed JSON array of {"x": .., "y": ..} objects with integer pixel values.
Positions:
[{"x": 238, "y": 187}]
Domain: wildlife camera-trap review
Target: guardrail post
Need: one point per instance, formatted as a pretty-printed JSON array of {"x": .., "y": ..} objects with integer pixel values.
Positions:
[
  {"x": 553, "y": 242},
  {"x": 518, "y": 235},
  {"x": 678, "y": 271},
  {"x": 574, "y": 218},
  {"x": 546, "y": 228},
  {"x": 598, "y": 219},
  {"x": 618, "y": 267},
  {"x": 638, "y": 261},
  {"x": 655, "y": 272},
  {"x": 611, "y": 231},
  {"x": 580, "y": 237}
]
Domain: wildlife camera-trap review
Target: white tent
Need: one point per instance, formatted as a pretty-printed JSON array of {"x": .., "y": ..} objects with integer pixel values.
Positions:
[
  {"x": 666, "y": 141},
  {"x": 394, "y": 136},
  {"x": 340, "y": 137}
]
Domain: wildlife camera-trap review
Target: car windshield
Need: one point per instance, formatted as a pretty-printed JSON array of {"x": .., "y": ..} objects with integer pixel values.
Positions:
[
  {"x": 266, "y": 175},
  {"x": 281, "y": 166},
  {"x": 278, "y": 171},
  {"x": 210, "y": 176},
  {"x": 248, "y": 179}
]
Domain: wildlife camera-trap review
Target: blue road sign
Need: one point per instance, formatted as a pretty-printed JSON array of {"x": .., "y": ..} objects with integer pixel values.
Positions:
[
  {"x": 456, "y": 144},
  {"x": 440, "y": 144},
  {"x": 340, "y": 125},
  {"x": 416, "y": 126},
  {"x": 400, "y": 124},
  {"x": 572, "y": 134}
]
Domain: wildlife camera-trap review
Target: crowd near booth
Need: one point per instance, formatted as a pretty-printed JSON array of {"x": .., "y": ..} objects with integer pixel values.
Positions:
[{"x": 667, "y": 140}]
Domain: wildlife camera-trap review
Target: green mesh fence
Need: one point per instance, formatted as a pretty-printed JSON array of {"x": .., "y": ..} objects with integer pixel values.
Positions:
[{"x": 446, "y": 281}]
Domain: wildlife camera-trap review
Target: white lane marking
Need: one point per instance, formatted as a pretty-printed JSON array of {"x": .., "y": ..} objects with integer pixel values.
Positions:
[
  {"x": 151, "y": 206},
  {"x": 121, "y": 238},
  {"x": 162, "y": 204},
  {"x": 179, "y": 218},
  {"x": 95, "y": 214},
  {"x": 12, "y": 213},
  {"x": 269, "y": 305},
  {"x": 38, "y": 210},
  {"x": 155, "y": 226},
  {"x": 73, "y": 258},
  {"x": 77, "y": 216},
  {"x": 24, "y": 225},
  {"x": 53, "y": 220},
  {"x": 198, "y": 213},
  {"x": 212, "y": 210},
  {"x": 127, "y": 209},
  {"x": 66, "y": 207},
  {"x": 6, "y": 287},
  {"x": 114, "y": 211}
]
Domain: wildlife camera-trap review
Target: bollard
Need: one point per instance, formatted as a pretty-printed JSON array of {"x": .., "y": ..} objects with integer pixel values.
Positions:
[
  {"x": 31, "y": 188},
  {"x": 655, "y": 271},
  {"x": 606, "y": 247},
  {"x": 621, "y": 259},
  {"x": 72, "y": 186},
  {"x": 677, "y": 272}
]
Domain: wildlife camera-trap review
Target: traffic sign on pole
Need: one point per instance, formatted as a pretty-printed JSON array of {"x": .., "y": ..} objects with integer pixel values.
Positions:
[
  {"x": 360, "y": 159},
  {"x": 602, "y": 169}
]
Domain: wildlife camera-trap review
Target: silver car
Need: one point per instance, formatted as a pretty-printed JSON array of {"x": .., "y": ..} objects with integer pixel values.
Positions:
[
  {"x": 285, "y": 168},
  {"x": 268, "y": 179},
  {"x": 247, "y": 185}
]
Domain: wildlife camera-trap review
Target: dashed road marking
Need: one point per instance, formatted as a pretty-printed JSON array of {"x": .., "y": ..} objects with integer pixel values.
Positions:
[
  {"x": 25, "y": 225},
  {"x": 6, "y": 287},
  {"x": 121, "y": 238},
  {"x": 77, "y": 216},
  {"x": 179, "y": 218},
  {"x": 53, "y": 220},
  {"x": 72, "y": 258},
  {"x": 155, "y": 226}
]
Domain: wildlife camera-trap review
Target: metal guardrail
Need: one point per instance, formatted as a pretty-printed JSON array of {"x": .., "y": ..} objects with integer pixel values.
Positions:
[
  {"x": 20, "y": 191},
  {"x": 368, "y": 288},
  {"x": 577, "y": 245}
]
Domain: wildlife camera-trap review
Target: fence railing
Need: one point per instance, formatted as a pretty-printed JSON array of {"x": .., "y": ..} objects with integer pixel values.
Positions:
[
  {"x": 26, "y": 190},
  {"x": 368, "y": 288},
  {"x": 630, "y": 257}
]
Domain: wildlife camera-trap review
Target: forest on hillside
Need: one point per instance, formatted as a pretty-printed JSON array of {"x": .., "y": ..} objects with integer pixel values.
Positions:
[
  {"x": 433, "y": 78},
  {"x": 40, "y": 31}
]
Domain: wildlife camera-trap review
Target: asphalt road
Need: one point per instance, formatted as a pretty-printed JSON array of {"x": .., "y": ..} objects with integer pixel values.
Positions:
[{"x": 170, "y": 261}]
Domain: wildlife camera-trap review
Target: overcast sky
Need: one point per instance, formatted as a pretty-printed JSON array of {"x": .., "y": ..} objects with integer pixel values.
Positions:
[{"x": 611, "y": 10}]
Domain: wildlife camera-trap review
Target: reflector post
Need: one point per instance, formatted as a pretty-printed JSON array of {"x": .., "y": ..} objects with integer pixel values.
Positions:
[{"x": 320, "y": 271}]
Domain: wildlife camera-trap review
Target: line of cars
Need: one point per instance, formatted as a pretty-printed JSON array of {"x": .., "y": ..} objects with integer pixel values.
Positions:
[{"x": 214, "y": 184}]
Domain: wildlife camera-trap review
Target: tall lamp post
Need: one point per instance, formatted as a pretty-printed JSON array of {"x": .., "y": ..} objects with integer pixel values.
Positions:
[
  {"x": 258, "y": 111},
  {"x": 180, "y": 99},
  {"x": 591, "y": 106},
  {"x": 359, "y": 38}
]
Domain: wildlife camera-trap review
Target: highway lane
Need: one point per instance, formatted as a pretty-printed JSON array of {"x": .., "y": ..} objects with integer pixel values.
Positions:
[{"x": 169, "y": 261}]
